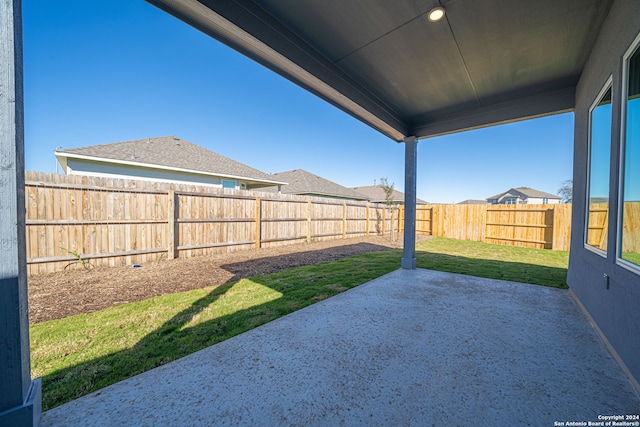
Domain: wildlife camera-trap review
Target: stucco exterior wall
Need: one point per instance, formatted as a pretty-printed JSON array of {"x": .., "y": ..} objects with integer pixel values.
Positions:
[{"x": 614, "y": 308}]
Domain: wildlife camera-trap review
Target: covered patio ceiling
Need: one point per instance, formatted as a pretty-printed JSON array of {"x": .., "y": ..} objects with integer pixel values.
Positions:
[{"x": 384, "y": 62}]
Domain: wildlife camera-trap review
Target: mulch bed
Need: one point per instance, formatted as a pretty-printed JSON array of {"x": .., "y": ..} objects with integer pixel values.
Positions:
[{"x": 65, "y": 293}]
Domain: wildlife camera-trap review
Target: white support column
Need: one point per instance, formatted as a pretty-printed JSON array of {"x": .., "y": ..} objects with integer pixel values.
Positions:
[
  {"x": 20, "y": 398},
  {"x": 410, "y": 168}
]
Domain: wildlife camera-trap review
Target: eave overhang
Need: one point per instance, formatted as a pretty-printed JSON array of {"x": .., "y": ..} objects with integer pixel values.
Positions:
[{"x": 62, "y": 159}]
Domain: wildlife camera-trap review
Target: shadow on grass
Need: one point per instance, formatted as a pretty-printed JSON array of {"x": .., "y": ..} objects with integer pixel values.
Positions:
[
  {"x": 297, "y": 288},
  {"x": 269, "y": 265},
  {"x": 555, "y": 277}
]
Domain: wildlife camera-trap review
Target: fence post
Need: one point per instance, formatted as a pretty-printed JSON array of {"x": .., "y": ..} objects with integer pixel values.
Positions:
[
  {"x": 555, "y": 230},
  {"x": 484, "y": 226},
  {"x": 366, "y": 220},
  {"x": 344, "y": 220},
  {"x": 171, "y": 213},
  {"x": 435, "y": 220},
  {"x": 308, "y": 220},
  {"x": 395, "y": 215},
  {"x": 391, "y": 222},
  {"x": 384, "y": 221},
  {"x": 258, "y": 223}
]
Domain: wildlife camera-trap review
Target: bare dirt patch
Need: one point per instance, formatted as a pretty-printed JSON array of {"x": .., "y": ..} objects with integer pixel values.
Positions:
[{"x": 62, "y": 294}]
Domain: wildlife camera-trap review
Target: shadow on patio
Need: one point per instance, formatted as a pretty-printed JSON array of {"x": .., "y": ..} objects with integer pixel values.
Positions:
[
  {"x": 185, "y": 332},
  {"x": 412, "y": 347}
]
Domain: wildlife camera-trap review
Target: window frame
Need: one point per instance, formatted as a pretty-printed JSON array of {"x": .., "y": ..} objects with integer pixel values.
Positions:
[
  {"x": 235, "y": 184},
  {"x": 608, "y": 85},
  {"x": 633, "y": 49}
]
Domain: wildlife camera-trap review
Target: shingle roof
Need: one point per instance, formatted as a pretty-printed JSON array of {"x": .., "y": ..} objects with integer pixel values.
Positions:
[
  {"x": 303, "y": 182},
  {"x": 473, "y": 202},
  {"x": 170, "y": 152},
  {"x": 528, "y": 192},
  {"x": 375, "y": 194}
]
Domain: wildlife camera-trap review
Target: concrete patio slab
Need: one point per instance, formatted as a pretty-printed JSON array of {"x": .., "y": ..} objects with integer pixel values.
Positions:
[{"x": 414, "y": 347}]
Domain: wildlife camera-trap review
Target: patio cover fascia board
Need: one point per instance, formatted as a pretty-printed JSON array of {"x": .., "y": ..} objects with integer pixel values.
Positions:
[
  {"x": 249, "y": 30},
  {"x": 531, "y": 107},
  {"x": 61, "y": 155}
]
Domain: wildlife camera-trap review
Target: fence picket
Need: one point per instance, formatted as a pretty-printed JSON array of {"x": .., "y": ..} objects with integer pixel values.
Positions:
[{"x": 117, "y": 222}]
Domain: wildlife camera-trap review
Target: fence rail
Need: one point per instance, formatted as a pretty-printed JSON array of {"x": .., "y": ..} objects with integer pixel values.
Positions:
[
  {"x": 534, "y": 226},
  {"x": 110, "y": 222}
]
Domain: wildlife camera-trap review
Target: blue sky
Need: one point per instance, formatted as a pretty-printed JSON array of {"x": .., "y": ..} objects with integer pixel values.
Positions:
[{"x": 104, "y": 71}]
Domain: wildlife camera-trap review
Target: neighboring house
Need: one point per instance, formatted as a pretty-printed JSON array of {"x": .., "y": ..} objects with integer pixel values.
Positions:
[
  {"x": 375, "y": 194},
  {"x": 165, "y": 158},
  {"x": 303, "y": 183},
  {"x": 523, "y": 195},
  {"x": 473, "y": 202}
]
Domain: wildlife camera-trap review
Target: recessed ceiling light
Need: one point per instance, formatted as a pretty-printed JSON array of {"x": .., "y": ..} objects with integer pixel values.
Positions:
[{"x": 436, "y": 14}]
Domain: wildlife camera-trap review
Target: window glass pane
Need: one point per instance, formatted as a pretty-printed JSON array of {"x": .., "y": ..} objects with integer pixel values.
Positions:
[
  {"x": 228, "y": 184},
  {"x": 599, "y": 164},
  {"x": 631, "y": 179}
]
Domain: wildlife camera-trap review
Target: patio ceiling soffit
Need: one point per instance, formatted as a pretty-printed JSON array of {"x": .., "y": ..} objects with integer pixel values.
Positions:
[{"x": 411, "y": 77}]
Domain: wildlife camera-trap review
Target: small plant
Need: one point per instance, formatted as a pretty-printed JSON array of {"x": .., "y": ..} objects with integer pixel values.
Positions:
[
  {"x": 78, "y": 261},
  {"x": 388, "y": 197}
]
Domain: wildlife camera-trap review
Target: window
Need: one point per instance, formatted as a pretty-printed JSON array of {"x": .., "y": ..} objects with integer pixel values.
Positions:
[
  {"x": 630, "y": 192},
  {"x": 599, "y": 168},
  {"x": 512, "y": 201},
  {"x": 545, "y": 200},
  {"x": 228, "y": 184}
]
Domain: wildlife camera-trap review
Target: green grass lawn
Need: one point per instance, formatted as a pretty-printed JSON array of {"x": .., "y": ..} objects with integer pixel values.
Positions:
[
  {"x": 537, "y": 266},
  {"x": 633, "y": 257},
  {"x": 86, "y": 352}
]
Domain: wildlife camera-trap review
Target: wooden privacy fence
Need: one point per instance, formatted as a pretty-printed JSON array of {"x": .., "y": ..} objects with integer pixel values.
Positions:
[
  {"x": 597, "y": 225},
  {"x": 72, "y": 220},
  {"x": 105, "y": 221},
  {"x": 534, "y": 226},
  {"x": 631, "y": 227}
]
